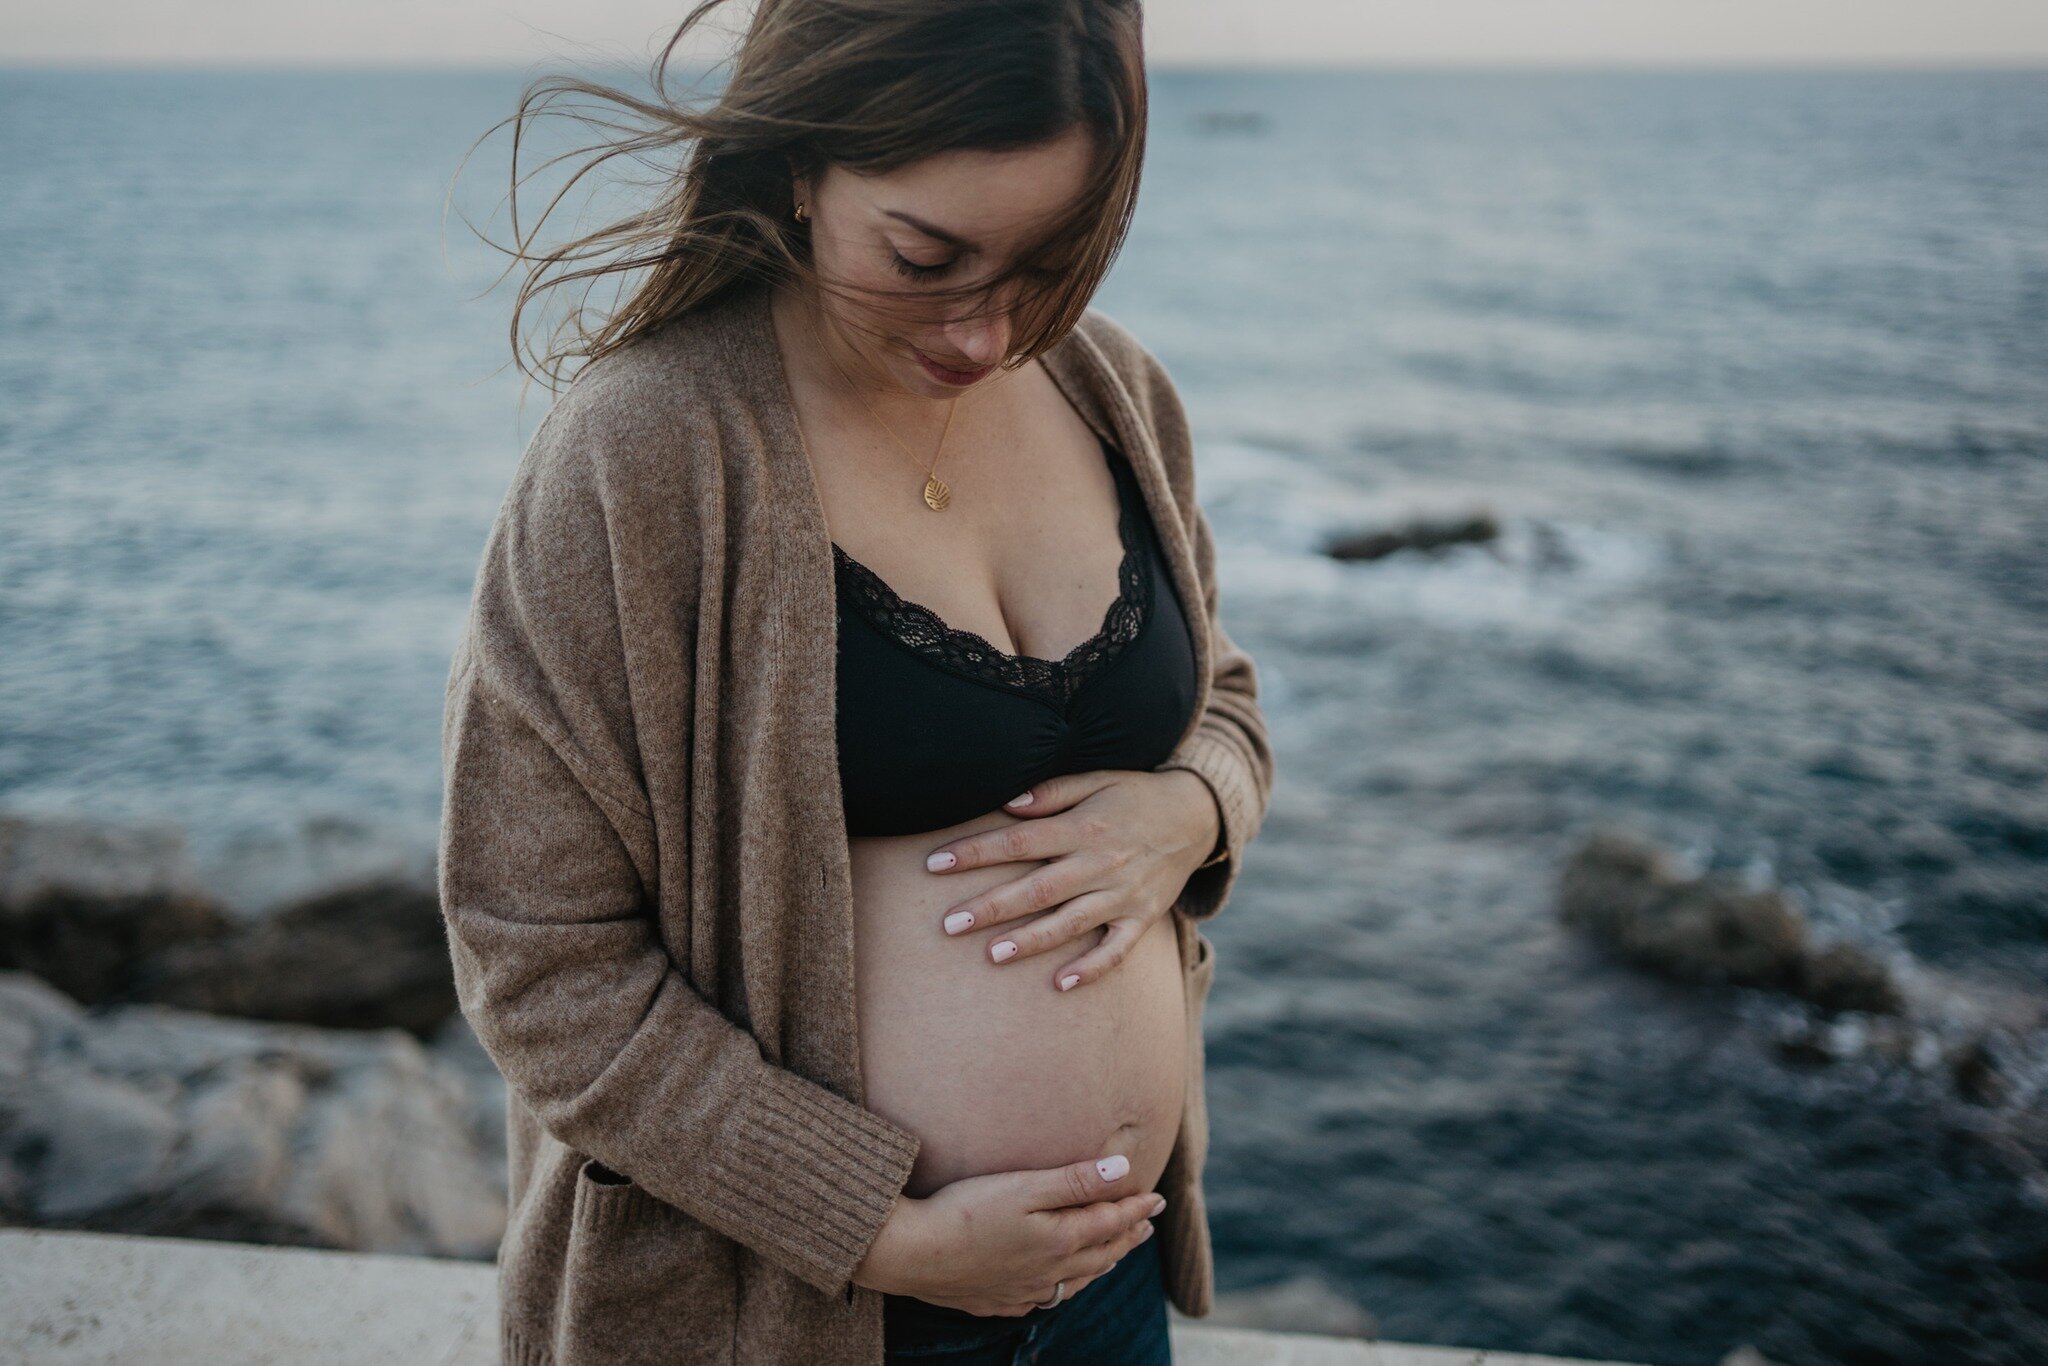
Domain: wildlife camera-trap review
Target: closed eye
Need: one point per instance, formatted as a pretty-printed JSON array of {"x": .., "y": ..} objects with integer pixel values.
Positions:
[{"x": 916, "y": 271}]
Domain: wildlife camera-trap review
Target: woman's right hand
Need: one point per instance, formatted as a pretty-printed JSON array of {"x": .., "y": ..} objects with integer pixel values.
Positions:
[{"x": 996, "y": 1245}]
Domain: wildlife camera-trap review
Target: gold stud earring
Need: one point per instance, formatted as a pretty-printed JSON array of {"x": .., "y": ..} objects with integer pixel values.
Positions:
[{"x": 801, "y": 216}]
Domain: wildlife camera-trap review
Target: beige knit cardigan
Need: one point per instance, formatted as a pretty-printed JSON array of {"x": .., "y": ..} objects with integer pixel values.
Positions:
[{"x": 644, "y": 867}]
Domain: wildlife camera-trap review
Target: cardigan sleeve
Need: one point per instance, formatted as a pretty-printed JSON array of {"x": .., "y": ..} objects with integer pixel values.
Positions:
[
  {"x": 1230, "y": 748},
  {"x": 547, "y": 853}
]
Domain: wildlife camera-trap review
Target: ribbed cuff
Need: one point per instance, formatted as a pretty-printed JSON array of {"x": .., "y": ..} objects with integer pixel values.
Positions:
[
  {"x": 1217, "y": 761},
  {"x": 809, "y": 1175},
  {"x": 516, "y": 1349},
  {"x": 1220, "y": 763}
]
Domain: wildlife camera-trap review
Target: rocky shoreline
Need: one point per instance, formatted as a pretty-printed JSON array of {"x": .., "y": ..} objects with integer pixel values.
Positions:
[{"x": 171, "y": 1065}]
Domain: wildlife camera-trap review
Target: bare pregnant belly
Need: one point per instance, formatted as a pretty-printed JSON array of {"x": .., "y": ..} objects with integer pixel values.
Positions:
[{"x": 990, "y": 1064}]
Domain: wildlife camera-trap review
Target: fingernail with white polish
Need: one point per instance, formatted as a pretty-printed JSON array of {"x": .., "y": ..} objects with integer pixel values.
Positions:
[
  {"x": 1021, "y": 799},
  {"x": 959, "y": 921},
  {"x": 1068, "y": 981},
  {"x": 1003, "y": 949},
  {"x": 1114, "y": 1167},
  {"x": 939, "y": 863}
]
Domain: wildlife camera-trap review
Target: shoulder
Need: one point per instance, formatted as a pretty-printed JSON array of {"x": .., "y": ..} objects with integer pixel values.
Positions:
[
  {"x": 1143, "y": 377},
  {"x": 1128, "y": 357},
  {"x": 648, "y": 400},
  {"x": 617, "y": 483},
  {"x": 602, "y": 511},
  {"x": 642, "y": 434}
]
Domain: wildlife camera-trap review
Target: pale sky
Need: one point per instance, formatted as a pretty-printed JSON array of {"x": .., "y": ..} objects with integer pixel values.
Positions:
[{"x": 1265, "y": 32}]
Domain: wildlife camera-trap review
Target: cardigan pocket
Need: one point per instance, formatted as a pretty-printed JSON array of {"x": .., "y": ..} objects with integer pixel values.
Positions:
[{"x": 642, "y": 1281}]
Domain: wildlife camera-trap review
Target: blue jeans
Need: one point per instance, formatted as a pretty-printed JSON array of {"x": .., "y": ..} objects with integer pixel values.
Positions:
[{"x": 1117, "y": 1319}]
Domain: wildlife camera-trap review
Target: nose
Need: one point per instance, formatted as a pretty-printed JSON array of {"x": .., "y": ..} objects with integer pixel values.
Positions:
[{"x": 980, "y": 340}]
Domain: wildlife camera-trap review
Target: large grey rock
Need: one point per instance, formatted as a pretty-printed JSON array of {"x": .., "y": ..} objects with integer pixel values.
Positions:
[
  {"x": 367, "y": 956},
  {"x": 114, "y": 914},
  {"x": 147, "y": 1119},
  {"x": 82, "y": 904}
]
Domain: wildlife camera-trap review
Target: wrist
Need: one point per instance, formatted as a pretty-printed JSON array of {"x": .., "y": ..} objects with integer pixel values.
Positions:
[
  {"x": 895, "y": 1247},
  {"x": 1209, "y": 830}
]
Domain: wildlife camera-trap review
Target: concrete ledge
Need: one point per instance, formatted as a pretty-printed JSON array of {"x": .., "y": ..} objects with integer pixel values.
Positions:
[{"x": 68, "y": 1299}]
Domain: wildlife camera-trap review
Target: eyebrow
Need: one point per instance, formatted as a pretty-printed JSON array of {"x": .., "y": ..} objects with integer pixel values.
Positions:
[{"x": 932, "y": 230}]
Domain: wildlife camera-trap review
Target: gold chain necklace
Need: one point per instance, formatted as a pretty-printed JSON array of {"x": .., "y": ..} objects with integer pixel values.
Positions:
[{"x": 936, "y": 494}]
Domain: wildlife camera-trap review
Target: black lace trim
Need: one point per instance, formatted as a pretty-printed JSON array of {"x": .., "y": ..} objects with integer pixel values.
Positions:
[{"x": 924, "y": 632}]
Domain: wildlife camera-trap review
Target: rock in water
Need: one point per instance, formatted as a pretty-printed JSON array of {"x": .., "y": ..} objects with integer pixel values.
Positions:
[{"x": 1625, "y": 892}]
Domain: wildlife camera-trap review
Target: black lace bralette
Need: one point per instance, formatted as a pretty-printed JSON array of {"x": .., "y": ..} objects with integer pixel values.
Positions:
[{"x": 975, "y": 656}]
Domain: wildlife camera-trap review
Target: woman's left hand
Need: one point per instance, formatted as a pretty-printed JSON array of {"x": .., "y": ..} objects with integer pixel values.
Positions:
[{"x": 1121, "y": 844}]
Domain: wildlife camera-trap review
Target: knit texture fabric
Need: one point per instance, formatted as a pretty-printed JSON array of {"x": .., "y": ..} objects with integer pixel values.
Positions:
[{"x": 644, "y": 869}]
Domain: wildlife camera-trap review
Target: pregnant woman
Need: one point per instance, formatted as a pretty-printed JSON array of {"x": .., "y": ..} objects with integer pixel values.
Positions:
[{"x": 842, "y": 744}]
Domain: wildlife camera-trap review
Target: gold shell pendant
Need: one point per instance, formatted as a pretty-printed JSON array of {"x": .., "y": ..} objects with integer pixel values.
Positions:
[{"x": 936, "y": 494}]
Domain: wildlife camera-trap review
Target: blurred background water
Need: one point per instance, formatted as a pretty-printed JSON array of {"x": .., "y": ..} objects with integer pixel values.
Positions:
[{"x": 1752, "y": 367}]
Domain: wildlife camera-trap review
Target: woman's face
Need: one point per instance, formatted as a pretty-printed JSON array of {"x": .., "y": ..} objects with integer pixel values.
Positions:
[{"x": 948, "y": 220}]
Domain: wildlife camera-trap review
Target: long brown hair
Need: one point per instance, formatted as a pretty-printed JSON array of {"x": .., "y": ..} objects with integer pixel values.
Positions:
[{"x": 870, "y": 85}]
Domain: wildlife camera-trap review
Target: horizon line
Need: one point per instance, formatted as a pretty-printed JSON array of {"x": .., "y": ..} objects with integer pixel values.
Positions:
[{"x": 1955, "y": 64}]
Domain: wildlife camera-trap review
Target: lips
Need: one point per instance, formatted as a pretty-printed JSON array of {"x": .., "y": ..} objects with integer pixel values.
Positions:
[{"x": 947, "y": 374}]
